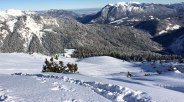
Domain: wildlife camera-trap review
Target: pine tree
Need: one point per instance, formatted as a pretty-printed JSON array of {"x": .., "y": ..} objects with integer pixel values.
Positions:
[
  {"x": 159, "y": 72},
  {"x": 56, "y": 57},
  {"x": 129, "y": 75},
  {"x": 52, "y": 66},
  {"x": 75, "y": 68}
]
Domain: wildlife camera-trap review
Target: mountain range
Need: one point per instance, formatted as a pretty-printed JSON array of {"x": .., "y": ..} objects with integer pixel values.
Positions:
[{"x": 129, "y": 28}]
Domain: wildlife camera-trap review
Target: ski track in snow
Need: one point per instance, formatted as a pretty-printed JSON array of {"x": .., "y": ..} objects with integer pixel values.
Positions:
[
  {"x": 114, "y": 93},
  {"x": 58, "y": 86},
  {"x": 42, "y": 80},
  {"x": 5, "y": 97}
]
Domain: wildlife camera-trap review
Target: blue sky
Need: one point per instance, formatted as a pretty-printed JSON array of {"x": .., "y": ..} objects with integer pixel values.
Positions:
[{"x": 66, "y": 4}]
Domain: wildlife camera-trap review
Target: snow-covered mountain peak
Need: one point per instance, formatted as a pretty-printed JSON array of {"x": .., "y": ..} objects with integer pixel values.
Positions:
[
  {"x": 126, "y": 3},
  {"x": 11, "y": 12},
  {"x": 110, "y": 4},
  {"x": 121, "y": 4},
  {"x": 8, "y": 14},
  {"x": 132, "y": 7},
  {"x": 122, "y": 8},
  {"x": 133, "y": 2},
  {"x": 14, "y": 12}
]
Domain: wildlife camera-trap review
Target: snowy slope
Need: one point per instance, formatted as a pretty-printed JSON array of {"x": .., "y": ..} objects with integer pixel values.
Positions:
[
  {"x": 170, "y": 27},
  {"x": 74, "y": 89},
  {"x": 100, "y": 79}
]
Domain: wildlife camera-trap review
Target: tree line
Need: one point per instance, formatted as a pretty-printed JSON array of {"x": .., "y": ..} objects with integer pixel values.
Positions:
[{"x": 130, "y": 55}]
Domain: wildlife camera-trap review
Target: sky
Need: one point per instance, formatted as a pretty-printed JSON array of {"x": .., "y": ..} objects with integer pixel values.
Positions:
[{"x": 67, "y": 4}]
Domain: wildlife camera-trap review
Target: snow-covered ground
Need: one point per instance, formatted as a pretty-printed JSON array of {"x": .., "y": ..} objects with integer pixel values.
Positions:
[{"x": 100, "y": 79}]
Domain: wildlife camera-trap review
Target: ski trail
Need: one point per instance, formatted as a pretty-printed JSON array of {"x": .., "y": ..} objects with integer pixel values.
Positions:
[
  {"x": 114, "y": 93},
  {"x": 4, "y": 97},
  {"x": 58, "y": 86},
  {"x": 42, "y": 80}
]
